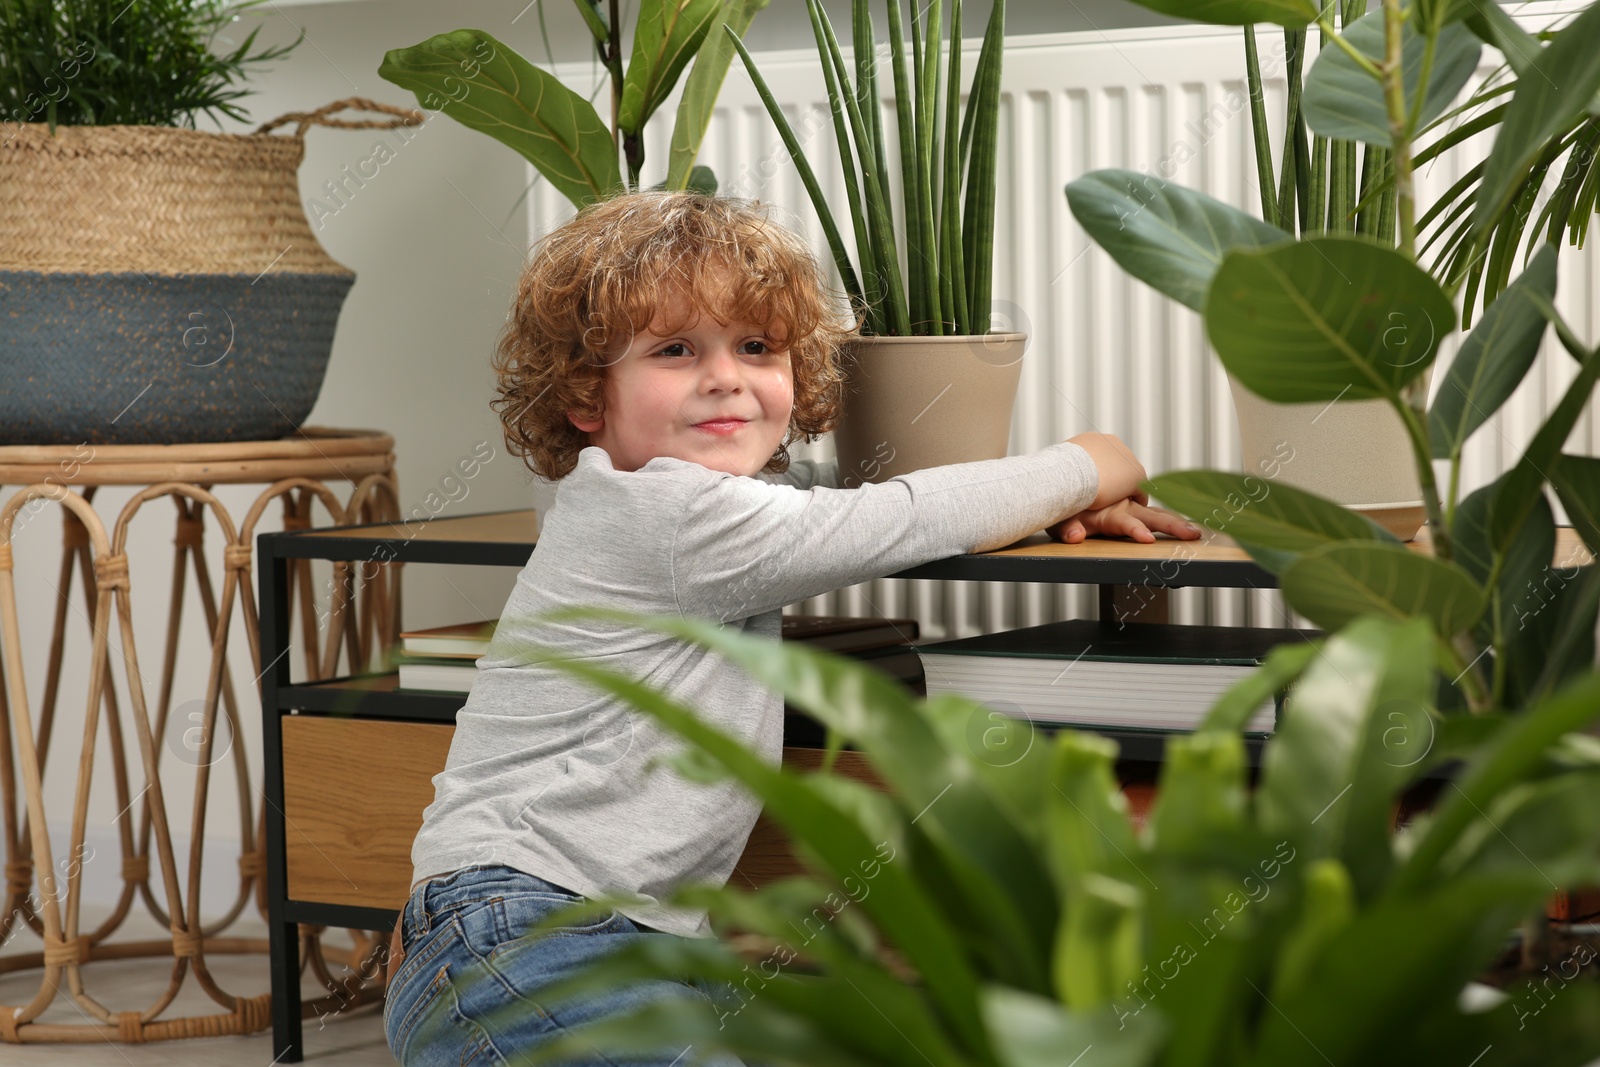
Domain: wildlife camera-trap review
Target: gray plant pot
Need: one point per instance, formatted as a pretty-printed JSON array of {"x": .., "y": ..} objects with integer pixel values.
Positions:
[{"x": 162, "y": 359}]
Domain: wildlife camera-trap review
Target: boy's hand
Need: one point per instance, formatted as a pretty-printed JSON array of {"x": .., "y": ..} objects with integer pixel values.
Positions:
[
  {"x": 1119, "y": 469},
  {"x": 1128, "y": 517}
]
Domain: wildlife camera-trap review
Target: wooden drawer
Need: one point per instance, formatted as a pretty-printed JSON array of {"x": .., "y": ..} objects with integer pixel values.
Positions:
[
  {"x": 354, "y": 791},
  {"x": 353, "y": 794}
]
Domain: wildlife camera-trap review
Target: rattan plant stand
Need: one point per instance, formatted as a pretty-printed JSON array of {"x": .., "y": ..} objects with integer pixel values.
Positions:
[{"x": 361, "y": 612}]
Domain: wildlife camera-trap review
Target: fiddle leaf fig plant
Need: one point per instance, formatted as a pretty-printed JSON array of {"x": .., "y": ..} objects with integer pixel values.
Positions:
[
  {"x": 486, "y": 85},
  {"x": 998, "y": 906},
  {"x": 1334, "y": 305}
]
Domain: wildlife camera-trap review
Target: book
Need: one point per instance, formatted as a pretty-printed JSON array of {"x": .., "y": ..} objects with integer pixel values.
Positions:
[
  {"x": 467, "y": 640},
  {"x": 838, "y": 633},
  {"x": 438, "y": 659},
  {"x": 442, "y": 676},
  {"x": 1139, "y": 676}
]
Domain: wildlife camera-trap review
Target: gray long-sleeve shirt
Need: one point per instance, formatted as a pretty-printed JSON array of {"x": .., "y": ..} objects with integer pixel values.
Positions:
[{"x": 549, "y": 776}]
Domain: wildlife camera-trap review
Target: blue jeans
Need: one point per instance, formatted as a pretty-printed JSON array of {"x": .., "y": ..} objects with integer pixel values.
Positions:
[{"x": 467, "y": 990}]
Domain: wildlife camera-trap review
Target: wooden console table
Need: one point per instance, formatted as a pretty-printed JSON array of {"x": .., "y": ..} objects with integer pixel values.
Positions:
[{"x": 343, "y": 857}]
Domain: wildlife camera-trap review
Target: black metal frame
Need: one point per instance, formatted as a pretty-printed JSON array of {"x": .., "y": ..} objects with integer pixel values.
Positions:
[{"x": 279, "y": 694}]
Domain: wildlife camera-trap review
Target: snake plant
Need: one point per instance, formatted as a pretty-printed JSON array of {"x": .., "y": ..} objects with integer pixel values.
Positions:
[{"x": 947, "y": 155}]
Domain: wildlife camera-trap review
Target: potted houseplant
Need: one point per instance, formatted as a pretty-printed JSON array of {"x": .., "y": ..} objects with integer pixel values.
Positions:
[
  {"x": 925, "y": 328},
  {"x": 1513, "y": 620},
  {"x": 160, "y": 283},
  {"x": 1338, "y": 178},
  {"x": 487, "y": 86}
]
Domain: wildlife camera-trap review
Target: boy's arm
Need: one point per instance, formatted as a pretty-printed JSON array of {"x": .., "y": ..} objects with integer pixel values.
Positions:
[
  {"x": 807, "y": 474},
  {"x": 743, "y": 546}
]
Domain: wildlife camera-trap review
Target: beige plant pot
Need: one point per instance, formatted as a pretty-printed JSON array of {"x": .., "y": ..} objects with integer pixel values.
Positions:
[
  {"x": 1355, "y": 453},
  {"x": 917, "y": 402}
]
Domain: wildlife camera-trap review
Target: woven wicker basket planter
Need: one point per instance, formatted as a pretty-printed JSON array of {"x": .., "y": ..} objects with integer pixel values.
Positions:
[{"x": 161, "y": 286}]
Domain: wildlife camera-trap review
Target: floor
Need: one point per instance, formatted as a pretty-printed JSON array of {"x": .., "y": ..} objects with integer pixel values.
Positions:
[{"x": 352, "y": 1040}]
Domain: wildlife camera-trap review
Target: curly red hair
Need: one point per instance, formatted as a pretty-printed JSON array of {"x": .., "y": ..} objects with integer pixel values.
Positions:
[{"x": 657, "y": 258}]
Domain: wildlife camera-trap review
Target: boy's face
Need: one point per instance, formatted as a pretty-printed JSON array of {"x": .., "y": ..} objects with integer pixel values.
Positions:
[{"x": 710, "y": 393}]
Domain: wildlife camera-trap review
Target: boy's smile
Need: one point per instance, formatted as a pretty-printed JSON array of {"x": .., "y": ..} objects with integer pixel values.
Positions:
[{"x": 712, "y": 393}]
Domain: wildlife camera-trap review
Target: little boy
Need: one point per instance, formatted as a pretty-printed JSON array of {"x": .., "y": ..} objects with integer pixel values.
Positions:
[{"x": 663, "y": 351}]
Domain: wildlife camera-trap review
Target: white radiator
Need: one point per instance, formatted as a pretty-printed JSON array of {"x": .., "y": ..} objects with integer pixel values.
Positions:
[{"x": 1107, "y": 353}]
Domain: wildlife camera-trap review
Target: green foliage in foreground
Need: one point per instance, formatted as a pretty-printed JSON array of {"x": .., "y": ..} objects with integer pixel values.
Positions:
[
  {"x": 124, "y": 62},
  {"x": 1031, "y": 920}
]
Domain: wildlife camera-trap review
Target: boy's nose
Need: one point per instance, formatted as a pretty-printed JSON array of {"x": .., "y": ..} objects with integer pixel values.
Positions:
[{"x": 722, "y": 370}]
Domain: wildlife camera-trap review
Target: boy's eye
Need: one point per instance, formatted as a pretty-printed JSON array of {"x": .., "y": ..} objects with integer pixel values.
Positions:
[{"x": 673, "y": 350}]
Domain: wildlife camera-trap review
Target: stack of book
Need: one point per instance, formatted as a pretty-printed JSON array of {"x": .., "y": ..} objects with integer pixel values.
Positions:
[
  {"x": 441, "y": 659},
  {"x": 884, "y": 643},
  {"x": 1139, "y": 676}
]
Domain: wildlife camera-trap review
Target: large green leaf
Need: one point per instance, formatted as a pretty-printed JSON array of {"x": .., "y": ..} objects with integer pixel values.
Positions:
[
  {"x": 1171, "y": 238},
  {"x": 1201, "y": 802},
  {"x": 898, "y": 904},
  {"x": 784, "y": 1019},
  {"x": 1274, "y": 521},
  {"x": 1282, "y": 667},
  {"x": 1291, "y": 13},
  {"x": 1327, "y": 906},
  {"x": 1325, "y": 318},
  {"x": 668, "y": 34},
  {"x": 1338, "y": 583},
  {"x": 1517, "y": 622},
  {"x": 1091, "y": 850},
  {"x": 1577, "y": 482},
  {"x": 1495, "y": 27},
  {"x": 482, "y": 83},
  {"x": 1004, "y": 882},
  {"x": 1569, "y": 648},
  {"x": 703, "y": 85},
  {"x": 1352, "y": 1006},
  {"x": 1343, "y": 101},
  {"x": 1087, "y": 812},
  {"x": 1548, "y": 828},
  {"x": 854, "y": 995},
  {"x": 1510, "y": 757},
  {"x": 1523, "y": 485},
  {"x": 1031, "y": 1031},
  {"x": 1330, "y": 776},
  {"x": 1097, "y": 944},
  {"x": 1558, "y": 87},
  {"x": 1527, "y": 1030},
  {"x": 1494, "y": 359}
]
